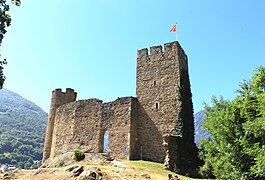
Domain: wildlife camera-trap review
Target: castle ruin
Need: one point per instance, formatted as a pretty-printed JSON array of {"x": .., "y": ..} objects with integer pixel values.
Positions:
[{"x": 156, "y": 125}]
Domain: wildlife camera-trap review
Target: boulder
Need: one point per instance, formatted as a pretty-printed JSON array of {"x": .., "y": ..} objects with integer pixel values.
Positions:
[
  {"x": 76, "y": 171},
  {"x": 93, "y": 173},
  {"x": 170, "y": 177}
]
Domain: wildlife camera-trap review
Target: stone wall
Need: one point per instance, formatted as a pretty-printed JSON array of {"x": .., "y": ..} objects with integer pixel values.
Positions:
[
  {"x": 173, "y": 155},
  {"x": 82, "y": 125},
  {"x": 77, "y": 126},
  {"x": 58, "y": 98},
  {"x": 119, "y": 127},
  {"x": 158, "y": 77},
  {"x": 165, "y": 106}
]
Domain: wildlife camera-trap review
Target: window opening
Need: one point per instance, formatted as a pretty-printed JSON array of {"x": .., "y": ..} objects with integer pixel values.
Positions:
[
  {"x": 103, "y": 141},
  {"x": 106, "y": 141},
  {"x": 157, "y": 105}
]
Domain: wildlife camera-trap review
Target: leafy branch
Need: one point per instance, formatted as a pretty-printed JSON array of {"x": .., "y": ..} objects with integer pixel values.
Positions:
[{"x": 5, "y": 21}]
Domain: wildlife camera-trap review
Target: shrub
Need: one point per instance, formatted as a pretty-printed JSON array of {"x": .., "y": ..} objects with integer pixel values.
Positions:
[{"x": 79, "y": 155}]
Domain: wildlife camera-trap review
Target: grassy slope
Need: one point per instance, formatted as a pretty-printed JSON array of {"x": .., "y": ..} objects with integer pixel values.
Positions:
[{"x": 135, "y": 170}]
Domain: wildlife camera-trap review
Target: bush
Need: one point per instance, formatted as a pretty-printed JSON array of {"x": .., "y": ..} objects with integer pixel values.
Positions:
[{"x": 79, "y": 155}]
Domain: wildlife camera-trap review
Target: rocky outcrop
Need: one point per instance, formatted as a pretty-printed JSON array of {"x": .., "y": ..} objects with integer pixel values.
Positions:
[{"x": 93, "y": 173}]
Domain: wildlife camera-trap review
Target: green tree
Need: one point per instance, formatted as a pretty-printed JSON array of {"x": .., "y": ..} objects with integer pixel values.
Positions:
[
  {"x": 237, "y": 147},
  {"x": 5, "y": 21}
]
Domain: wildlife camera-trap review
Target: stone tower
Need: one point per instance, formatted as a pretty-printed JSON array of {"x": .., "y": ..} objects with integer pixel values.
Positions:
[
  {"x": 157, "y": 125},
  {"x": 58, "y": 98},
  {"x": 165, "y": 111}
]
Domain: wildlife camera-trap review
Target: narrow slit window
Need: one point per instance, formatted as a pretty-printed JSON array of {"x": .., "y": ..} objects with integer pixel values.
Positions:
[
  {"x": 157, "y": 106},
  {"x": 154, "y": 83}
]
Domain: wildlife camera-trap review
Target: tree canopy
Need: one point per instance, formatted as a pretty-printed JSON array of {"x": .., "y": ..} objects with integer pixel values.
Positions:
[
  {"x": 236, "y": 149},
  {"x": 5, "y": 21}
]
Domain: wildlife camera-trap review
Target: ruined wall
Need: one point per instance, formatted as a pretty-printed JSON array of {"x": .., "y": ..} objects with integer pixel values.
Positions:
[
  {"x": 134, "y": 142},
  {"x": 162, "y": 86},
  {"x": 119, "y": 127},
  {"x": 82, "y": 124},
  {"x": 58, "y": 98},
  {"x": 76, "y": 126}
]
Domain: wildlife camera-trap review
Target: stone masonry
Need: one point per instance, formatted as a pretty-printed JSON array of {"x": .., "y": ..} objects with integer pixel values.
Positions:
[{"x": 156, "y": 125}]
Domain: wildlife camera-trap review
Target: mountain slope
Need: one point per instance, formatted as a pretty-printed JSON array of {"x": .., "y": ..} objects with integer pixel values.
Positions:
[
  {"x": 22, "y": 130},
  {"x": 199, "y": 131}
]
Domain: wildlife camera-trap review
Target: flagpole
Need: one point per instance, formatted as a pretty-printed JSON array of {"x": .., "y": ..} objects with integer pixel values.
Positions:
[
  {"x": 177, "y": 36},
  {"x": 174, "y": 29}
]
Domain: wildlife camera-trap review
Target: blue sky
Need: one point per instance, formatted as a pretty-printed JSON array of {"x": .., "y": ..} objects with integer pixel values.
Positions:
[{"x": 91, "y": 46}]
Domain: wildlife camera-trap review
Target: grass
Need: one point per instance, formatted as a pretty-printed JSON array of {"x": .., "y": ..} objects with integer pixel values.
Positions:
[
  {"x": 135, "y": 170},
  {"x": 138, "y": 170},
  {"x": 155, "y": 170}
]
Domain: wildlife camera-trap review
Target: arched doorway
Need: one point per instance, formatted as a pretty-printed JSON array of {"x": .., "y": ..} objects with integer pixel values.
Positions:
[
  {"x": 106, "y": 141},
  {"x": 103, "y": 141}
]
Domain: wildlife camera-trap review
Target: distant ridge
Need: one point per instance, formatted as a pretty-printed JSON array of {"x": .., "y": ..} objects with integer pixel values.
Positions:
[
  {"x": 199, "y": 131},
  {"x": 22, "y": 130}
]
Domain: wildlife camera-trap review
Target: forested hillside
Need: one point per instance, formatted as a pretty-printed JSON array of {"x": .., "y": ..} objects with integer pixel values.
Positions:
[{"x": 22, "y": 131}]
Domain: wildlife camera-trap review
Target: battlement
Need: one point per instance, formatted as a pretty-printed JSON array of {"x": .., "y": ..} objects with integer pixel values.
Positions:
[
  {"x": 58, "y": 90},
  {"x": 157, "y": 51},
  {"x": 69, "y": 91}
]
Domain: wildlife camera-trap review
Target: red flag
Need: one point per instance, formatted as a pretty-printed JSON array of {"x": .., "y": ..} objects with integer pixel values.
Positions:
[{"x": 173, "y": 29}]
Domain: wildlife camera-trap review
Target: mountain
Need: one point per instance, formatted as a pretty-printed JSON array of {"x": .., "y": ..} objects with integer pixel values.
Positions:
[
  {"x": 199, "y": 131},
  {"x": 22, "y": 131}
]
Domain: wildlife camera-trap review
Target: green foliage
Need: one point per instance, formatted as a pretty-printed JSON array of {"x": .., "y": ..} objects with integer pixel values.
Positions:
[
  {"x": 79, "y": 155},
  {"x": 2, "y": 77},
  {"x": 22, "y": 130},
  {"x": 237, "y": 147},
  {"x": 5, "y": 21}
]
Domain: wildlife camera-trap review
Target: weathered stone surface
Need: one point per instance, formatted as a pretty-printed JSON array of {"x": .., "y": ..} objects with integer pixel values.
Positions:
[
  {"x": 93, "y": 173},
  {"x": 70, "y": 168},
  {"x": 162, "y": 82},
  {"x": 82, "y": 125},
  {"x": 58, "y": 98},
  {"x": 76, "y": 171},
  {"x": 170, "y": 177},
  {"x": 157, "y": 125},
  {"x": 63, "y": 160}
]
